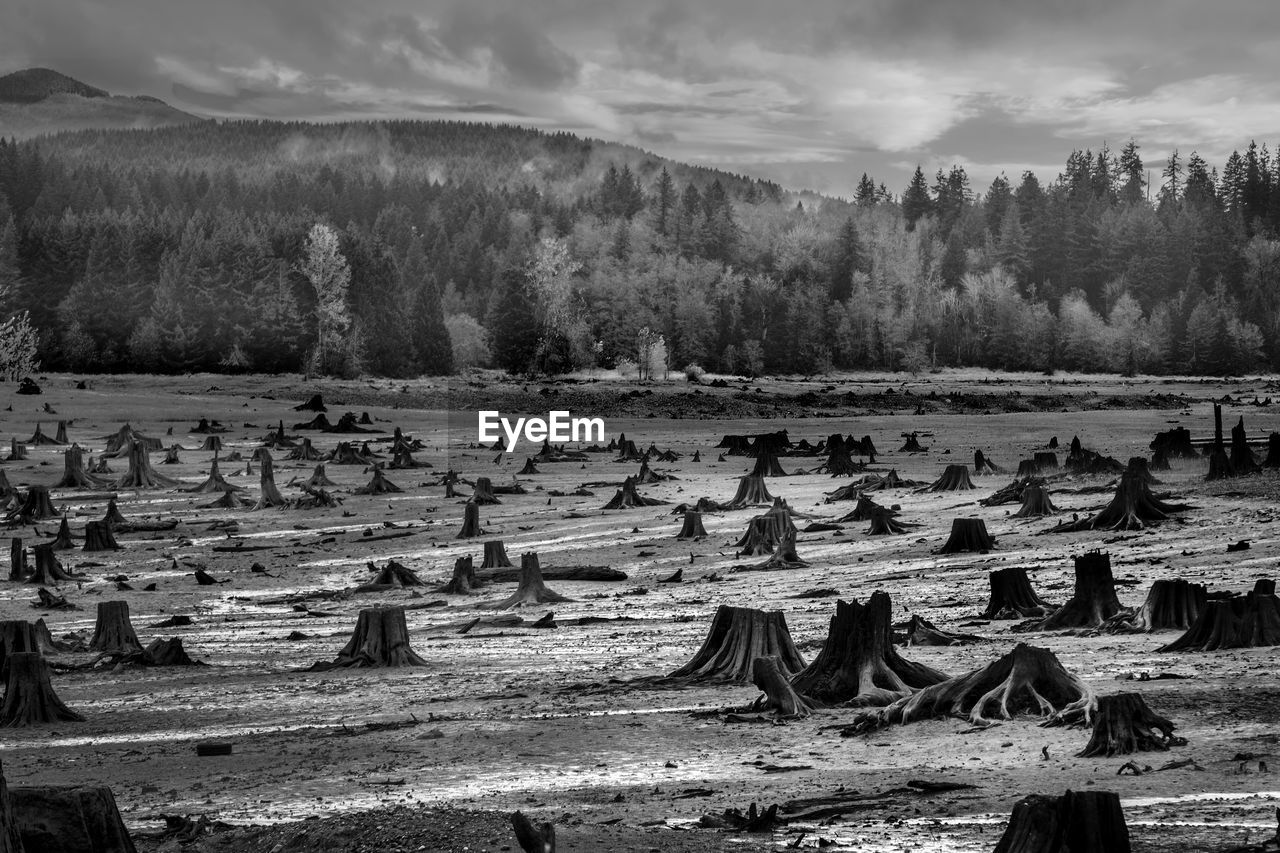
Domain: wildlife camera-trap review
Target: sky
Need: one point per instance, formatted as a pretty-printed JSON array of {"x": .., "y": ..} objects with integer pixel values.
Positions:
[{"x": 810, "y": 93}]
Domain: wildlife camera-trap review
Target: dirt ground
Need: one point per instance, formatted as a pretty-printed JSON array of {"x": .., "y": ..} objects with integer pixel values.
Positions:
[{"x": 513, "y": 717}]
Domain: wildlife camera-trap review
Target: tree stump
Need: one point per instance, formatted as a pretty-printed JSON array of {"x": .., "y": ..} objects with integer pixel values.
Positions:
[
  {"x": 1132, "y": 508},
  {"x": 319, "y": 479},
  {"x": 763, "y": 534},
  {"x": 17, "y": 451},
  {"x": 230, "y": 500},
  {"x": 955, "y": 478},
  {"x": 38, "y": 438},
  {"x": 692, "y": 528},
  {"x": 113, "y": 631},
  {"x": 69, "y": 819},
  {"x": 1012, "y": 596},
  {"x": 627, "y": 497},
  {"x": 864, "y": 510},
  {"x": 885, "y": 523},
  {"x": 36, "y": 506},
  {"x": 983, "y": 465},
  {"x": 63, "y": 541},
  {"x": 16, "y": 637},
  {"x": 10, "y": 837},
  {"x": 495, "y": 555},
  {"x": 912, "y": 444},
  {"x": 1035, "y": 502},
  {"x": 1248, "y": 621},
  {"x": 48, "y": 569},
  {"x": 215, "y": 482},
  {"x": 751, "y": 490},
  {"x": 140, "y": 474},
  {"x": 1169, "y": 604},
  {"x": 1242, "y": 459},
  {"x": 112, "y": 517},
  {"x": 739, "y": 635},
  {"x": 1089, "y": 820},
  {"x": 29, "y": 698},
  {"x": 541, "y": 839},
  {"x": 61, "y": 435},
  {"x": 1046, "y": 462},
  {"x": 1094, "y": 601},
  {"x": 531, "y": 590},
  {"x": 380, "y": 639},
  {"x": 379, "y": 485},
  {"x": 1027, "y": 468},
  {"x": 784, "y": 554},
  {"x": 767, "y": 465},
  {"x": 171, "y": 456},
  {"x": 394, "y": 575},
  {"x": 1273, "y": 451},
  {"x": 98, "y": 537},
  {"x": 858, "y": 663},
  {"x": 1219, "y": 462},
  {"x": 968, "y": 534},
  {"x": 212, "y": 444},
  {"x": 18, "y": 567},
  {"x": 780, "y": 698},
  {"x": 170, "y": 652},
  {"x": 839, "y": 460},
  {"x": 470, "y": 521},
  {"x": 1123, "y": 724},
  {"x": 304, "y": 452},
  {"x": 269, "y": 495},
  {"x": 1027, "y": 680},
  {"x": 74, "y": 475},
  {"x": 529, "y": 468},
  {"x": 464, "y": 580}
]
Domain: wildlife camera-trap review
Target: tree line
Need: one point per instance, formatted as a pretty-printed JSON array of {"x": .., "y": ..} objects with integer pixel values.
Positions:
[{"x": 185, "y": 249}]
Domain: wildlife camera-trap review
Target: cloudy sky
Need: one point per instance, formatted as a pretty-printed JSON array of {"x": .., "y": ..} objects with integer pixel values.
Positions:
[{"x": 808, "y": 92}]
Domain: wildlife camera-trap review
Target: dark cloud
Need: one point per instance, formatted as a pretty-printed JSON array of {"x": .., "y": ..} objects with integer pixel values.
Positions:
[{"x": 525, "y": 55}]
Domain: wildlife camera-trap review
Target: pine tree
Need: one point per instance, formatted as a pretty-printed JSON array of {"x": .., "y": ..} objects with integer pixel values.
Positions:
[
  {"x": 10, "y": 272},
  {"x": 915, "y": 200},
  {"x": 865, "y": 195},
  {"x": 512, "y": 323},
  {"x": 1133, "y": 180},
  {"x": 996, "y": 204},
  {"x": 1170, "y": 186},
  {"x": 849, "y": 258},
  {"x": 664, "y": 203}
]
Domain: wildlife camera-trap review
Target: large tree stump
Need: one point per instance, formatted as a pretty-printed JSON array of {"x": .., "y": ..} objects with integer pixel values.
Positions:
[
  {"x": 751, "y": 490},
  {"x": 1027, "y": 680},
  {"x": 48, "y": 570},
  {"x": 1132, "y": 508},
  {"x": 74, "y": 476},
  {"x": 470, "y": 521},
  {"x": 380, "y": 639},
  {"x": 113, "y": 631},
  {"x": 140, "y": 474},
  {"x": 1035, "y": 502},
  {"x": 63, "y": 541},
  {"x": 532, "y": 590},
  {"x": 983, "y": 465},
  {"x": 18, "y": 566},
  {"x": 955, "y": 478},
  {"x": 627, "y": 497},
  {"x": 29, "y": 698},
  {"x": 884, "y": 522},
  {"x": 767, "y": 466},
  {"x": 1123, "y": 724},
  {"x": 379, "y": 485},
  {"x": 38, "y": 438},
  {"x": 763, "y": 533},
  {"x": 540, "y": 839},
  {"x": 392, "y": 576},
  {"x": 464, "y": 580},
  {"x": 113, "y": 517},
  {"x": 1046, "y": 462},
  {"x": 912, "y": 444},
  {"x": 780, "y": 698},
  {"x": 1175, "y": 443},
  {"x": 17, "y": 451},
  {"x": 1248, "y": 621},
  {"x": 69, "y": 819},
  {"x": 10, "y": 837},
  {"x": 839, "y": 460},
  {"x": 529, "y": 468},
  {"x": 495, "y": 555},
  {"x": 692, "y": 528},
  {"x": 784, "y": 554},
  {"x": 36, "y": 506},
  {"x": 167, "y": 652},
  {"x": 858, "y": 663},
  {"x": 739, "y": 635},
  {"x": 215, "y": 482},
  {"x": 212, "y": 444},
  {"x": 304, "y": 452},
  {"x": 483, "y": 492},
  {"x": 864, "y": 510},
  {"x": 1242, "y": 459},
  {"x": 98, "y": 537},
  {"x": 16, "y": 637},
  {"x": 1073, "y": 823},
  {"x": 968, "y": 534},
  {"x": 1094, "y": 601},
  {"x": 268, "y": 494},
  {"x": 1170, "y": 604},
  {"x": 319, "y": 479},
  {"x": 1012, "y": 596}
]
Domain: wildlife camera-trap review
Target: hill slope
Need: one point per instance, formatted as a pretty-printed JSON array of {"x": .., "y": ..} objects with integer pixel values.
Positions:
[{"x": 38, "y": 101}]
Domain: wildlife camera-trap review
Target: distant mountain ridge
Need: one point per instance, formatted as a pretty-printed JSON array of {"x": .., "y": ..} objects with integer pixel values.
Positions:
[
  {"x": 31, "y": 85},
  {"x": 38, "y": 101}
]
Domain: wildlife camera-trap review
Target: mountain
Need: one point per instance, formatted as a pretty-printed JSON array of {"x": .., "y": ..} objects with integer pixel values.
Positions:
[{"x": 38, "y": 101}]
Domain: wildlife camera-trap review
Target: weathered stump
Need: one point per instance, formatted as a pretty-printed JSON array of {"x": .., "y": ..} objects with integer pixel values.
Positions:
[
  {"x": 751, "y": 490},
  {"x": 955, "y": 478},
  {"x": 627, "y": 497},
  {"x": 531, "y": 590},
  {"x": 69, "y": 819},
  {"x": 48, "y": 570},
  {"x": 378, "y": 485},
  {"x": 140, "y": 474},
  {"x": 1123, "y": 724},
  {"x": 858, "y": 663},
  {"x": 98, "y": 537},
  {"x": 380, "y": 639},
  {"x": 540, "y": 839},
  {"x": 1169, "y": 604},
  {"x": 1076, "y": 821},
  {"x": 18, "y": 566},
  {"x": 495, "y": 555},
  {"x": 692, "y": 528},
  {"x": 29, "y": 698},
  {"x": 739, "y": 635},
  {"x": 1094, "y": 600},
  {"x": 464, "y": 580},
  {"x": 780, "y": 698},
  {"x": 1035, "y": 502},
  {"x": 968, "y": 534},
  {"x": 470, "y": 521},
  {"x": 74, "y": 476},
  {"x": 1012, "y": 596},
  {"x": 113, "y": 631}
]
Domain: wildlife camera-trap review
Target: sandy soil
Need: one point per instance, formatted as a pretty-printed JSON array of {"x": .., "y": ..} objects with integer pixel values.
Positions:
[{"x": 520, "y": 718}]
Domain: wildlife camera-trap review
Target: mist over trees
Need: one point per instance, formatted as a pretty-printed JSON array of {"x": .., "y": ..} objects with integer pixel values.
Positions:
[{"x": 197, "y": 248}]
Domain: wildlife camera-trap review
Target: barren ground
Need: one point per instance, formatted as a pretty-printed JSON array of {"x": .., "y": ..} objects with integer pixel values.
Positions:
[{"x": 513, "y": 717}]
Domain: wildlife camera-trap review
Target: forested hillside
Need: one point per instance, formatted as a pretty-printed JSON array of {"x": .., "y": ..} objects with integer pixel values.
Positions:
[{"x": 181, "y": 248}]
